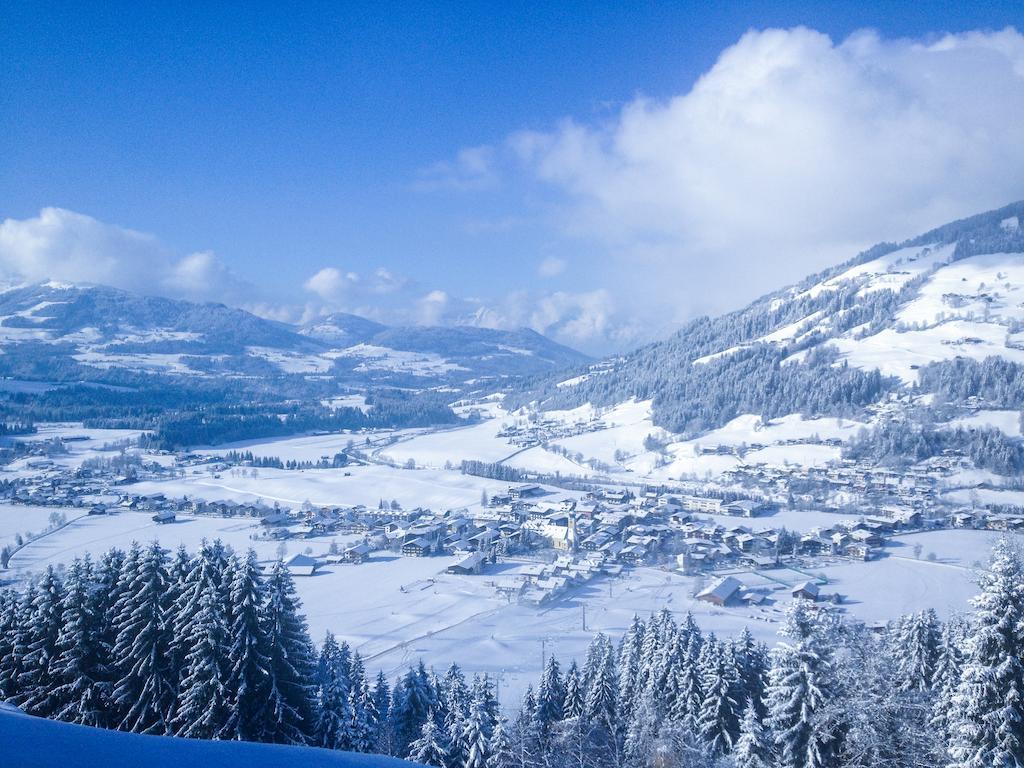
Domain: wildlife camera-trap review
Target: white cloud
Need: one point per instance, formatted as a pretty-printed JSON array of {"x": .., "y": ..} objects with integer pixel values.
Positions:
[
  {"x": 331, "y": 284},
  {"x": 63, "y": 245},
  {"x": 592, "y": 321},
  {"x": 472, "y": 169},
  {"x": 551, "y": 267},
  {"x": 790, "y": 154}
]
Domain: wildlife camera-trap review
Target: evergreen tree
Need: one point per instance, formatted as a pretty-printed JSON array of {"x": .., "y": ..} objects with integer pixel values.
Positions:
[
  {"x": 573, "y": 706},
  {"x": 8, "y": 630},
  {"x": 987, "y": 722},
  {"x": 524, "y": 737},
  {"x": 291, "y": 668},
  {"x": 453, "y": 705},
  {"x": 948, "y": 670},
  {"x": 600, "y": 705},
  {"x": 333, "y": 730},
  {"x": 753, "y": 749},
  {"x": 412, "y": 702},
  {"x": 82, "y": 688},
  {"x": 248, "y": 678},
  {"x": 550, "y": 698},
  {"x": 38, "y": 676},
  {"x": 917, "y": 650},
  {"x": 800, "y": 690},
  {"x": 12, "y": 663},
  {"x": 145, "y": 691},
  {"x": 476, "y": 736},
  {"x": 502, "y": 755},
  {"x": 429, "y": 748},
  {"x": 718, "y": 719},
  {"x": 382, "y": 712},
  {"x": 363, "y": 723},
  {"x": 202, "y": 710}
]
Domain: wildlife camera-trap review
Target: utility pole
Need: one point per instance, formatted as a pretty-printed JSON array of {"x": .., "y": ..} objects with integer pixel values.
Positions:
[{"x": 584, "y": 606}]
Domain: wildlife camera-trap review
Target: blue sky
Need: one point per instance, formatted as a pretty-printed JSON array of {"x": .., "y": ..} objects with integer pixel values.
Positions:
[{"x": 473, "y": 153}]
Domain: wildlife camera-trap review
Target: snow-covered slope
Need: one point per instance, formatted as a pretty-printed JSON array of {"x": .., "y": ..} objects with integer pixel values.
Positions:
[
  {"x": 856, "y": 336},
  {"x": 32, "y": 742}
]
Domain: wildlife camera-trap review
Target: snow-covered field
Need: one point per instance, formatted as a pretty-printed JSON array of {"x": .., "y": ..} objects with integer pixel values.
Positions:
[
  {"x": 395, "y": 609},
  {"x": 435, "y": 449},
  {"x": 1007, "y": 422},
  {"x": 81, "y": 444},
  {"x": 354, "y": 485},
  {"x": 24, "y": 519}
]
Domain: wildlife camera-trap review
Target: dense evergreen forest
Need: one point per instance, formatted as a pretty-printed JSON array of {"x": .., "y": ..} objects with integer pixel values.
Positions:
[
  {"x": 209, "y": 646},
  {"x": 183, "y": 413}
]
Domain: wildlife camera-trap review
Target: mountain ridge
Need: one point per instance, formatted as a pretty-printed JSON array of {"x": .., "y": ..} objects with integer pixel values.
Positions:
[
  {"x": 101, "y": 327},
  {"x": 819, "y": 347}
]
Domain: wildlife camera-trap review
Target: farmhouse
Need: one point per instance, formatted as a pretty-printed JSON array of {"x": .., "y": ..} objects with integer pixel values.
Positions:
[
  {"x": 301, "y": 565},
  {"x": 420, "y": 547},
  {"x": 808, "y": 590},
  {"x": 470, "y": 564},
  {"x": 721, "y": 592},
  {"x": 356, "y": 554}
]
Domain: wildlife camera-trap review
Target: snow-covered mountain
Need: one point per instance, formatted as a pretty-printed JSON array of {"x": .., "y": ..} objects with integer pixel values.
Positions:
[
  {"x": 920, "y": 326},
  {"x": 58, "y": 331},
  {"x": 33, "y": 742}
]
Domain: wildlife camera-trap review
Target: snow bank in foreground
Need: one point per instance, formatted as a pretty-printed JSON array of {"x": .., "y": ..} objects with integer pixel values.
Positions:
[{"x": 32, "y": 742}]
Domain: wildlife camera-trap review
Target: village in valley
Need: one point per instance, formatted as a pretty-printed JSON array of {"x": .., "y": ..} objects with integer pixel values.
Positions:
[{"x": 448, "y": 552}]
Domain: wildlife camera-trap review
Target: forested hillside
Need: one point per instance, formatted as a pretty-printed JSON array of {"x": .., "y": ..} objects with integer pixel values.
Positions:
[{"x": 897, "y": 318}]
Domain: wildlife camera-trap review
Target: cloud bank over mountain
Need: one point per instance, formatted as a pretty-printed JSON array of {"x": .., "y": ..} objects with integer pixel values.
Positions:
[{"x": 791, "y": 153}]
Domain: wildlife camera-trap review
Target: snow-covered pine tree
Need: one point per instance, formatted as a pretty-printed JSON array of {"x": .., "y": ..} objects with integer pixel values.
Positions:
[
  {"x": 642, "y": 732},
  {"x": 476, "y": 735},
  {"x": 948, "y": 669},
  {"x": 753, "y": 749},
  {"x": 362, "y": 713},
  {"x": 12, "y": 663},
  {"x": 429, "y": 748},
  {"x": 600, "y": 715},
  {"x": 248, "y": 677},
  {"x": 453, "y": 701},
  {"x": 8, "y": 630},
  {"x": 501, "y": 748},
  {"x": 630, "y": 650},
  {"x": 483, "y": 688},
  {"x": 689, "y": 691},
  {"x": 179, "y": 570},
  {"x": 524, "y": 736},
  {"x": 202, "y": 708},
  {"x": 382, "y": 712},
  {"x": 146, "y": 689},
  {"x": 987, "y": 716},
  {"x": 550, "y": 698},
  {"x": 106, "y": 592},
  {"x": 599, "y": 705},
  {"x": 82, "y": 668},
  {"x": 37, "y": 680},
  {"x": 916, "y": 646},
  {"x": 751, "y": 660},
  {"x": 573, "y": 692},
  {"x": 718, "y": 719},
  {"x": 800, "y": 690},
  {"x": 412, "y": 702},
  {"x": 334, "y": 718},
  {"x": 292, "y": 669}
]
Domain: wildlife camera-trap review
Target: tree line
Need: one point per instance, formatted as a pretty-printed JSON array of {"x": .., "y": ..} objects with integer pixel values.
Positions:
[{"x": 208, "y": 646}]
